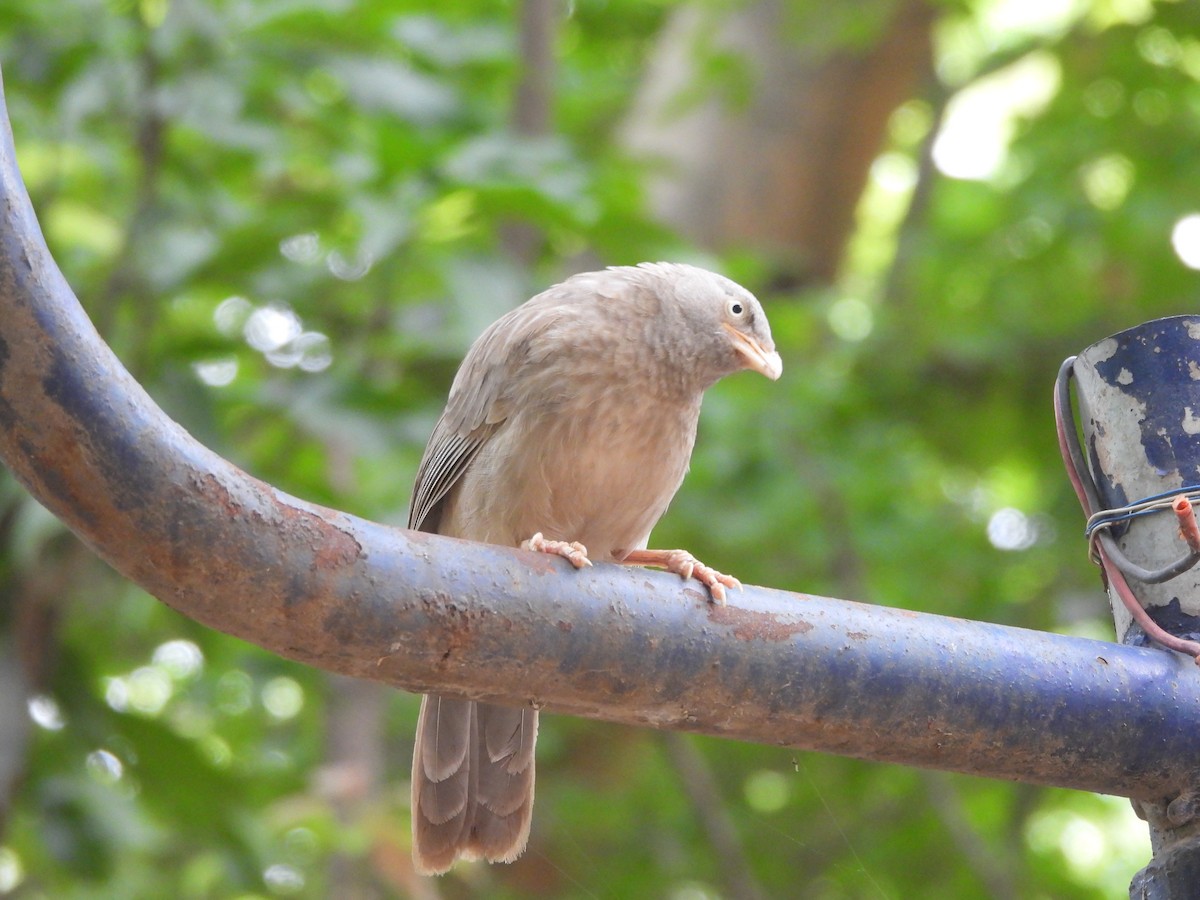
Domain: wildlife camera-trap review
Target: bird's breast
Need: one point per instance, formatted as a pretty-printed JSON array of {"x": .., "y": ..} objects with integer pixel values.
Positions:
[{"x": 601, "y": 471}]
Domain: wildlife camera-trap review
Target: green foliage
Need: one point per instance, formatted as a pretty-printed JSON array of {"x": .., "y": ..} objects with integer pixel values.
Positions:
[{"x": 288, "y": 218}]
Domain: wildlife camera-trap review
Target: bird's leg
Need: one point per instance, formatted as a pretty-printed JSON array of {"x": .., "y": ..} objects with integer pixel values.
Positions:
[
  {"x": 684, "y": 565},
  {"x": 572, "y": 551}
]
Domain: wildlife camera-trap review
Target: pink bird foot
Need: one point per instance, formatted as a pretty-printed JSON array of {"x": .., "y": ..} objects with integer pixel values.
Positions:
[
  {"x": 685, "y": 566},
  {"x": 572, "y": 551}
]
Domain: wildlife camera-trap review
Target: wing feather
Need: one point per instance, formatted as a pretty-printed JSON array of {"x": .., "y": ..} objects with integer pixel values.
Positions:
[
  {"x": 447, "y": 456},
  {"x": 482, "y": 397}
]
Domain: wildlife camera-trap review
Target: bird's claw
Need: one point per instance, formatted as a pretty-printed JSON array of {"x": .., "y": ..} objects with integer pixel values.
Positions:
[
  {"x": 572, "y": 551},
  {"x": 687, "y": 566}
]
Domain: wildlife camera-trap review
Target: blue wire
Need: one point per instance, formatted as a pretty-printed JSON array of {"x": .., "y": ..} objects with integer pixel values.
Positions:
[{"x": 1116, "y": 517}]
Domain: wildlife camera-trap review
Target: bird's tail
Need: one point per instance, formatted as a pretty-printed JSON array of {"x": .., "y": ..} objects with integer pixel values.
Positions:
[{"x": 472, "y": 782}]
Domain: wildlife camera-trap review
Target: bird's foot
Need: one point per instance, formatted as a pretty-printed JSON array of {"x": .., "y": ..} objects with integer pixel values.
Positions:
[
  {"x": 572, "y": 551},
  {"x": 685, "y": 566}
]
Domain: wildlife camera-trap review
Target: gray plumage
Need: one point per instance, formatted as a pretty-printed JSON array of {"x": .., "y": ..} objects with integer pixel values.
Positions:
[{"x": 572, "y": 417}]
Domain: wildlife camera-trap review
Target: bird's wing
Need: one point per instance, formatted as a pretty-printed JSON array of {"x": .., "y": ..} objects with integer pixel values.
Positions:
[
  {"x": 487, "y": 386},
  {"x": 446, "y": 458}
]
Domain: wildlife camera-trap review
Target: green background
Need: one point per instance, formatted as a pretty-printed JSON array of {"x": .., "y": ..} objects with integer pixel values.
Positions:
[{"x": 215, "y": 176}]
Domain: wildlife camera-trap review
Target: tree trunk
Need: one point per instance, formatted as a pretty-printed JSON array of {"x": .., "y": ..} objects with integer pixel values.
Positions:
[{"x": 775, "y": 154}]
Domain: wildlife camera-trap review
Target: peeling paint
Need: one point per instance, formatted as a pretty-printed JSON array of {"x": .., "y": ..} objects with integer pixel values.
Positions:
[
  {"x": 1104, "y": 350},
  {"x": 1190, "y": 424},
  {"x": 1142, "y": 434},
  {"x": 748, "y": 625}
]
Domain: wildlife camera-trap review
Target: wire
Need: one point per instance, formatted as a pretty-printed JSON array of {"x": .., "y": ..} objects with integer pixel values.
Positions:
[
  {"x": 1106, "y": 518},
  {"x": 1102, "y": 546}
]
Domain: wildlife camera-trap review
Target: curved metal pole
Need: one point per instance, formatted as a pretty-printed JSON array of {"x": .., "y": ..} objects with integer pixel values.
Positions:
[{"x": 423, "y": 612}]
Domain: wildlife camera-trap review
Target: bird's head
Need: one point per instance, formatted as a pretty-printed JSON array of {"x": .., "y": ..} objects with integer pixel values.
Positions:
[{"x": 718, "y": 323}]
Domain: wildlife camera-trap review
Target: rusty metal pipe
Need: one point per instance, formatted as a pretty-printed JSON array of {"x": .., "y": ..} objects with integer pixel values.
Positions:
[{"x": 423, "y": 612}]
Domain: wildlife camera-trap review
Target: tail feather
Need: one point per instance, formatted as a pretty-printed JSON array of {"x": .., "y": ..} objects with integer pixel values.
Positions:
[
  {"x": 472, "y": 782},
  {"x": 444, "y": 735}
]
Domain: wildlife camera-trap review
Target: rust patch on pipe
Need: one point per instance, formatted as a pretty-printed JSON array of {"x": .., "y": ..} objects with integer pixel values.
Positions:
[
  {"x": 210, "y": 486},
  {"x": 336, "y": 548},
  {"x": 458, "y": 640},
  {"x": 750, "y": 625},
  {"x": 332, "y": 547}
]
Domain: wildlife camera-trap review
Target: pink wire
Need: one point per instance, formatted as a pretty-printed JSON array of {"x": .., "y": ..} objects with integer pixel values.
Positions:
[{"x": 1113, "y": 575}]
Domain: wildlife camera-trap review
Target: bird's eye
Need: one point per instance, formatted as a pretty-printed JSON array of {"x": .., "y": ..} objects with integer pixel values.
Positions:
[{"x": 736, "y": 307}]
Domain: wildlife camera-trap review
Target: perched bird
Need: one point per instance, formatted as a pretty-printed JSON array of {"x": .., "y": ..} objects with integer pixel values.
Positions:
[{"x": 568, "y": 429}]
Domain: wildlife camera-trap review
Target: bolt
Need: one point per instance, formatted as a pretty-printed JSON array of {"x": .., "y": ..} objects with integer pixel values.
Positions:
[{"x": 1183, "y": 808}]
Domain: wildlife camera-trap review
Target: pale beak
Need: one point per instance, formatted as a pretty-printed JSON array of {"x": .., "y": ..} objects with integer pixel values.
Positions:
[{"x": 754, "y": 355}]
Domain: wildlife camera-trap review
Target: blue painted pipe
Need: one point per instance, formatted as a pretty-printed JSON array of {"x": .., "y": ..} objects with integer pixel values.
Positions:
[{"x": 424, "y": 612}]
